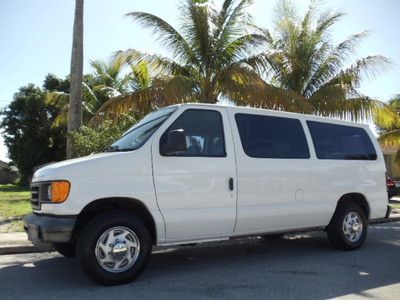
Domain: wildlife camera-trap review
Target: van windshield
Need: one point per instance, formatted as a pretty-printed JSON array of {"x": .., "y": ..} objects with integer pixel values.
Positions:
[{"x": 136, "y": 136}]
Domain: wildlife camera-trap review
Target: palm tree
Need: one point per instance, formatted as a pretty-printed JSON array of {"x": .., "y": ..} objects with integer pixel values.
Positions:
[
  {"x": 304, "y": 61},
  {"x": 75, "y": 101},
  {"x": 213, "y": 55},
  {"x": 387, "y": 119},
  {"x": 107, "y": 81},
  {"x": 60, "y": 100},
  {"x": 129, "y": 96}
]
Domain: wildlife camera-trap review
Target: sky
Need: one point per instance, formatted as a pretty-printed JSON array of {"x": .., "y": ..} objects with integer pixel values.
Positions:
[{"x": 36, "y": 36}]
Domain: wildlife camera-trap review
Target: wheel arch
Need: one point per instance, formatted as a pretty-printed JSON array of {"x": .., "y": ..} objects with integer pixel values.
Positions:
[
  {"x": 131, "y": 205},
  {"x": 356, "y": 198}
]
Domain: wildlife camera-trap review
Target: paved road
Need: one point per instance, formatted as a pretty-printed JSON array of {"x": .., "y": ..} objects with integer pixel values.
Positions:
[{"x": 301, "y": 267}]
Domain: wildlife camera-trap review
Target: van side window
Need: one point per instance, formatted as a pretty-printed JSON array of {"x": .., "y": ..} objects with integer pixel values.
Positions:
[
  {"x": 332, "y": 141},
  {"x": 272, "y": 137},
  {"x": 204, "y": 133}
]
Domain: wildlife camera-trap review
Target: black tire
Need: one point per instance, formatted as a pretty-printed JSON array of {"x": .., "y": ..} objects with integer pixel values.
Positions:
[
  {"x": 88, "y": 238},
  {"x": 335, "y": 229},
  {"x": 274, "y": 237},
  {"x": 66, "y": 249}
]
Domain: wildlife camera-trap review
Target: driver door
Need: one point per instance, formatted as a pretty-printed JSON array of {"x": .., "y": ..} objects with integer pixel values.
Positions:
[{"x": 195, "y": 188}]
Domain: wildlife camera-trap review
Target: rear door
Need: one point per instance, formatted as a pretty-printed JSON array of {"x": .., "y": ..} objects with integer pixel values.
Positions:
[{"x": 193, "y": 188}]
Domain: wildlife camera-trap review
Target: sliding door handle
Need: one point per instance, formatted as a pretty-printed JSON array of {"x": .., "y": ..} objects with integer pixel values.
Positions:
[{"x": 231, "y": 184}]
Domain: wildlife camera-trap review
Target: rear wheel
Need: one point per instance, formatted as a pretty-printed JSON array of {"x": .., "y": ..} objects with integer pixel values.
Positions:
[
  {"x": 348, "y": 227},
  {"x": 114, "y": 248},
  {"x": 66, "y": 249}
]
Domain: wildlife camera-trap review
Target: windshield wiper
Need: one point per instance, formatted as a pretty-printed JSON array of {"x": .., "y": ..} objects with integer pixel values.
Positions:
[
  {"x": 112, "y": 148},
  {"x": 115, "y": 148}
]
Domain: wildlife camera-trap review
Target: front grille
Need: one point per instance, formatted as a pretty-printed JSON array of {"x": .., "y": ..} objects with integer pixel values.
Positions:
[
  {"x": 39, "y": 195},
  {"x": 35, "y": 197}
]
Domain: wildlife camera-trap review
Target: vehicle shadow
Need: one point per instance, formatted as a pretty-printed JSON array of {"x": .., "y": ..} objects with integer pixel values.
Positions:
[{"x": 298, "y": 266}]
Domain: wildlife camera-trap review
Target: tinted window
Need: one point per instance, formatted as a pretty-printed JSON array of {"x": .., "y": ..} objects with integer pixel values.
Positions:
[
  {"x": 333, "y": 141},
  {"x": 204, "y": 133},
  {"x": 272, "y": 137}
]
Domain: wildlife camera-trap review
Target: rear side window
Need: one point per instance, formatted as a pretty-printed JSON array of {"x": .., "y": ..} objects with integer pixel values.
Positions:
[
  {"x": 272, "y": 137},
  {"x": 332, "y": 141}
]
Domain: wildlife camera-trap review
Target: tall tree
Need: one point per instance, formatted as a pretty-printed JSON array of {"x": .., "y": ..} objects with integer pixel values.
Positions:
[
  {"x": 107, "y": 80},
  {"x": 387, "y": 119},
  {"x": 214, "y": 54},
  {"x": 129, "y": 96},
  {"x": 304, "y": 60},
  {"x": 75, "y": 101},
  {"x": 59, "y": 97},
  {"x": 28, "y": 135}
]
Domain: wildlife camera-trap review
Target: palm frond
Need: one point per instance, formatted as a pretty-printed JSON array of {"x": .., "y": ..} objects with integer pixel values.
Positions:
[
  {"x": 245, "y": 87},
  {"x": 163, "y": 91},
  {"x": 61, "y": 119},
  {"x": 390, "y": 138},
  {"x": 57, "y": 99},
  {"x": 330, "y": 64},
  {"x": 135, "y": 102},
  {"x": 332, "y": 101},
  {"x": 327, "y": 19},
  {"x": 364, "y": 68},
  {"x": 105, "y": 92},
  {"x": 242, "y": 48},
  {"x": 140, "y": 78},
  {"x": 177, "y": 89},
  {"x": 100, "y": 69},
  {"x": 160, "y": 64},
  {"x": 386, "y": 118},
  {"x": 197, "y": 31},
  {"x": 231, "y": 20},
  {"x": 166, "y": 34}
]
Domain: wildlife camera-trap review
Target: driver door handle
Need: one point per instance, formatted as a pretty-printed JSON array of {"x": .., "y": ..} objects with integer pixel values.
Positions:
[{"x": 231, "y": 184}]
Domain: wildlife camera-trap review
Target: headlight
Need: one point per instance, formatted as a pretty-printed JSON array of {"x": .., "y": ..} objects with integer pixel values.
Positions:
[{"x": 58, "y": 191}]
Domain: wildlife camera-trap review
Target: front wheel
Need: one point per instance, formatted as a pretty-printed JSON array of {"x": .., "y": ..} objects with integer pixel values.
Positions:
[
  {"x": 348, "y": 227},
  {"x": 114, "y": 248}
]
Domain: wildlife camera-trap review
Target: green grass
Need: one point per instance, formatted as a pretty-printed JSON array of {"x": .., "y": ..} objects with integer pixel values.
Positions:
[
  {"x": 14, "y": 203},
  {"x": 396, "y": 206}
]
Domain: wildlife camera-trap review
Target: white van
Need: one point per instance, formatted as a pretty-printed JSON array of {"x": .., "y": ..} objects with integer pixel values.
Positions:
[{"x": 193, "y": 173}]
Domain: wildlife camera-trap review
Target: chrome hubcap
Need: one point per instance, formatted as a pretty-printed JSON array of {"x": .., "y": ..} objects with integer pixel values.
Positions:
[
  {"x": 117, "y": 249},
  {"x": 352, "y": 227}
]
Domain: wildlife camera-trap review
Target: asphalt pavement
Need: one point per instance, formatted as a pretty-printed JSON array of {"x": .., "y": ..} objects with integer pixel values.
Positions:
[{"x": 296, "y": 267}]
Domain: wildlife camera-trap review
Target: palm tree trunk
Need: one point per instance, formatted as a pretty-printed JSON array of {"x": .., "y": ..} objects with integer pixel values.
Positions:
[{"x": 75, "y": 99}]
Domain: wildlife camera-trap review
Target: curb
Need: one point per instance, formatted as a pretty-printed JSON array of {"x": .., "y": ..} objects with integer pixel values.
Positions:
[
  {"x": 16, "y": 243},
  {"x": 18, "y": 249}
]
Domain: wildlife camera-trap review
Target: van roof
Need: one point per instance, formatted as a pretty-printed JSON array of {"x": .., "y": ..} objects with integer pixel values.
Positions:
[{"x": 245, "y": 109}]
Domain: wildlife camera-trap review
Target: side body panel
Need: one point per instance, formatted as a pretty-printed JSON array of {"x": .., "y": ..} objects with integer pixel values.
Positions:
[{"x": 332, "y": 179}]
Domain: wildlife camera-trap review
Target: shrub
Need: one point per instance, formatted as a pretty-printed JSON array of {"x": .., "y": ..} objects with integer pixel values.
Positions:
[{"x": 92, "y": 140}]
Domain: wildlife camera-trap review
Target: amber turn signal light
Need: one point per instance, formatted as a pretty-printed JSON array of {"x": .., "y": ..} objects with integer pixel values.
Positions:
[{"x": 59, "y": 191}]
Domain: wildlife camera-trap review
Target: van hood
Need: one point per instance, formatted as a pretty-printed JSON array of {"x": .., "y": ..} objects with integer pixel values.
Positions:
[{"x": 92, "y": 165}]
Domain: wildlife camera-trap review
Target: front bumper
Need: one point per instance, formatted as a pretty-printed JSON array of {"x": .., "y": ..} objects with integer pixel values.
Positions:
[{"x": 44, "y": 229}]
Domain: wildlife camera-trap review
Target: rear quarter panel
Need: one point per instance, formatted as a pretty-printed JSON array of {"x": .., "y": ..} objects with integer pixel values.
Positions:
[{"x": 331, "y": 179}]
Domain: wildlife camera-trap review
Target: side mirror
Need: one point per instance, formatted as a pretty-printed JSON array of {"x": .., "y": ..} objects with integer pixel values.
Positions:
[{"x": 176, "y": 143}]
